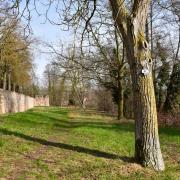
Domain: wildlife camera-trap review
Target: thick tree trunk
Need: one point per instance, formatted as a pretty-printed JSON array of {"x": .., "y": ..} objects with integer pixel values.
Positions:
[
  {"x": 147, "y": 146},
  {"x": 132, "y": 29}
]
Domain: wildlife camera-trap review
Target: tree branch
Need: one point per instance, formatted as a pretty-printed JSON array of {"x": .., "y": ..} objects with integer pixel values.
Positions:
[{"x": 120, "y": 15}]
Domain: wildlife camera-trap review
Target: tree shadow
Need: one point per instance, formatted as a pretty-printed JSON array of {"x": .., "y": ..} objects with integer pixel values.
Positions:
[
  {"x": 170, "y": 131},
  {"x": 65, "y": 122},
  {"x": 78, "y": 149},
  {"x": 62, "y": 121}
]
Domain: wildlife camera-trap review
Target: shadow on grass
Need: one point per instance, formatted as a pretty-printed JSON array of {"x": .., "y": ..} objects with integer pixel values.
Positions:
[
  {"x": 65, "y": 122},
  {"x": 59, "y": 119},
  {"x": 170, "y": 131},
  {"x": 79, "y": 149}
]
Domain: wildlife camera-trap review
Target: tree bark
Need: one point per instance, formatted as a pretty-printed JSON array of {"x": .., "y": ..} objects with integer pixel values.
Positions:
[
  {"x": 160, "y": 103},
  {"x": 147, "y": 31},
  {"x": 5, "y": 81},
  {"x": 147, "y": 146},
  {"x": 120, "y": 101},
  {"x": 132, "y": 28},
  {"x": 9, "y": 81}
]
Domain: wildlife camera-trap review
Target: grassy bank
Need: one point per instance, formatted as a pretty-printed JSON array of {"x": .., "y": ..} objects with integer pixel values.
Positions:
[{"x": 57, "y": 143}]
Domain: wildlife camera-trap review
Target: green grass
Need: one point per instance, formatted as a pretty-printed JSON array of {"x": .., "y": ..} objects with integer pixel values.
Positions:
[{"x": 56, "y": 143}]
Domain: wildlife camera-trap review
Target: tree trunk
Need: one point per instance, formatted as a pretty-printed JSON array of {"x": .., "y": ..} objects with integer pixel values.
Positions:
[
  {"x": 14, "y": 87},
  {"x": 5, "y": 81},
  {"x": 172, "y": 102},
  {"x": 147, "y": 146},
  {"x": 61, "y": 92},
  {"x": 20, "y": 89},
  {"x": 84, "y": 103},
  {"x": 160, "y": 99},
  {"x": 120, "y": 101},
  {"x": 9, "y": 81},
  {"x": 147, "y": 31},
  {"x": 132, "y": 28}
]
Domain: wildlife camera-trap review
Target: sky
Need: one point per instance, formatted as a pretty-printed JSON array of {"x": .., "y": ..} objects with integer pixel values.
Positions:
[{"x": 48, "y": 33}]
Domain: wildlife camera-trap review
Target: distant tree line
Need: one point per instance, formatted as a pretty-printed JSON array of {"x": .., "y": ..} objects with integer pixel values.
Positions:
[{"x": 16, "y": 59}]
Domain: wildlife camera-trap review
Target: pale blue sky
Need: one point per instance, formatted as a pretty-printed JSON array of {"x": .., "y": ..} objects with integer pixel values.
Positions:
[{"x": 45, "y": 32}]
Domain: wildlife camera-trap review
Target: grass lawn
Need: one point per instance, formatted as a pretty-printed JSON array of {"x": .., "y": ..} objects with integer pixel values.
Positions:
[{"x": 56, "y": 143}]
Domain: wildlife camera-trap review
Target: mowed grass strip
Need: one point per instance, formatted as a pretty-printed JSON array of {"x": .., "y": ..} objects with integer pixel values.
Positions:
[{"x": 59, "y": 143}]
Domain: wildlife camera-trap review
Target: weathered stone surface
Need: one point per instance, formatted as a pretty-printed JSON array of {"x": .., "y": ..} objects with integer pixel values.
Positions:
[
  {"x": 15, "y": 102},
  {"x": 41, "y": 101}
]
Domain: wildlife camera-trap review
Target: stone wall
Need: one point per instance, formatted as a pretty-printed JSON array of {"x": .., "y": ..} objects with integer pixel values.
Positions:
[
  {"x": 41, "y": 101},
  {"x": 16, "y": 102}
]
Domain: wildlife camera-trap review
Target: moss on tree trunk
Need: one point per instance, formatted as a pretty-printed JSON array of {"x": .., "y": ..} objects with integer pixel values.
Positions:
[{"x": 147, "y": 146}]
